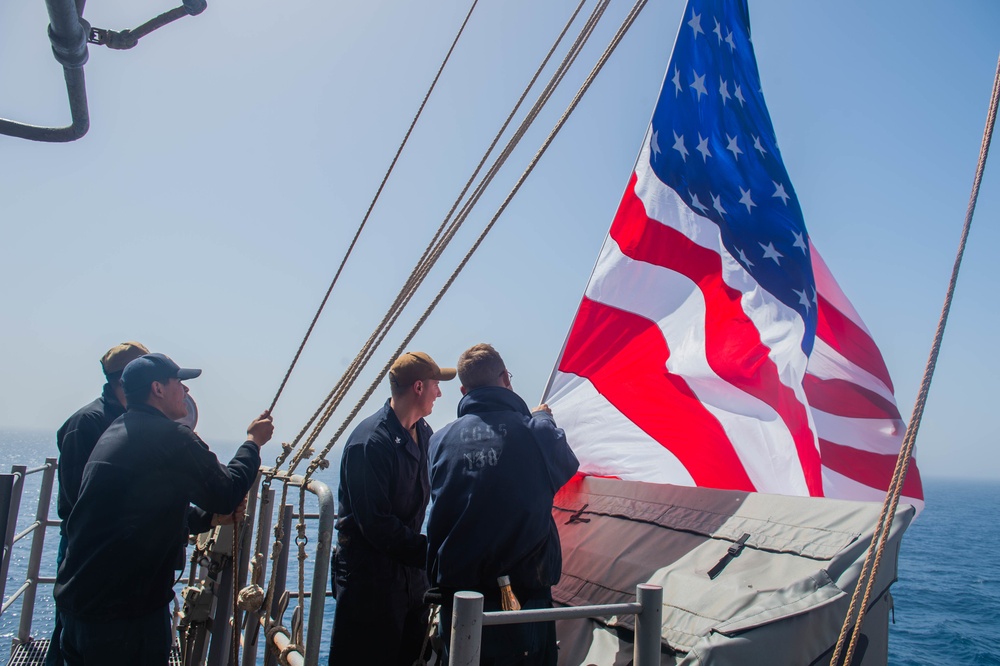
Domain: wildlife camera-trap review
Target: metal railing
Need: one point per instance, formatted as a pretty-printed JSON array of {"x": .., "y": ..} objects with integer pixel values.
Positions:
[
  {"x": 316, "y": 595},
  {"x": 11, "y": 492},
  {"x": 468, "y": 620}
]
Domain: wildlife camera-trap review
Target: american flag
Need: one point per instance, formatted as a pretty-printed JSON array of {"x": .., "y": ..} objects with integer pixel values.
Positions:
[{"x": 712, "y": 346}]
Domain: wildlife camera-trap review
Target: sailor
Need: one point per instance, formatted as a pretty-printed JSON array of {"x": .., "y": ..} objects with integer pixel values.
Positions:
[
  {"x": 378, "y": 567},
  {"x": 114, "y": 586},
  {"x": 77, "y": 438},
  {"x": 494, "y": 473}
]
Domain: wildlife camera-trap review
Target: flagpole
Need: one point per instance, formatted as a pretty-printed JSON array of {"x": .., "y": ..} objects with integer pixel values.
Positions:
[{"x": 649, "y": 127}]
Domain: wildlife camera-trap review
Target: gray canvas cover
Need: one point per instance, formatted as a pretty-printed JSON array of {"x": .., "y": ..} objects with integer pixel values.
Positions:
[{"x": 781, "y": 600}]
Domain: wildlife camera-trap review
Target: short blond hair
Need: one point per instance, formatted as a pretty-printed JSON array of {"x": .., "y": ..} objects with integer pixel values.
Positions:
[{"x": 480, "y": 365}]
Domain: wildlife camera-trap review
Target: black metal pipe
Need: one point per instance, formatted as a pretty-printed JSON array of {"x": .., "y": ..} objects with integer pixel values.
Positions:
[{"x": 68, "y": 34}]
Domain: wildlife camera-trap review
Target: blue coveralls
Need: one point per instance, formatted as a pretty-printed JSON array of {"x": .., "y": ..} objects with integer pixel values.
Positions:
[
  {"x": 494, "y": 473},
  {"x": 114, "y": 586},
  {"x": 378, "y": 568}
]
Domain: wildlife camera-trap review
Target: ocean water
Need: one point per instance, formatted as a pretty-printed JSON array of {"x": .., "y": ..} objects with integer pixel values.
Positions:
[{"x": 947, "y": 598}]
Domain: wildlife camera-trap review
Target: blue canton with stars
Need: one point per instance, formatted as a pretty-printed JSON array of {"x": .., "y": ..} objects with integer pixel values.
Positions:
[{"x": 713, "y": 143}]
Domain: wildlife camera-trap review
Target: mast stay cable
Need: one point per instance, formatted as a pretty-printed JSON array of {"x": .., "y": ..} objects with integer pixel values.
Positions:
[
  {"x": 441, "y": 237},
  {"x": 881, "y": 535},
  {"x": 364, "y": 220},
  {"x": 622, "y": 30}
]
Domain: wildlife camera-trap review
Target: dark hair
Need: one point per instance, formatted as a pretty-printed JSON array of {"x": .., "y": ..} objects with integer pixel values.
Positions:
[
  {"x": 480, "y": 365},
  {"x": 140, "y": 395}
]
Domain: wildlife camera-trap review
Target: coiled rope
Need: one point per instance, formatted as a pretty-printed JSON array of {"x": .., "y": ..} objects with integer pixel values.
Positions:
[{"x": 881, "y": 535}]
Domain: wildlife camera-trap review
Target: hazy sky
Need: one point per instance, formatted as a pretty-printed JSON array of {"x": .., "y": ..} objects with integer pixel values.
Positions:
[{"x": 233, "y": 154}]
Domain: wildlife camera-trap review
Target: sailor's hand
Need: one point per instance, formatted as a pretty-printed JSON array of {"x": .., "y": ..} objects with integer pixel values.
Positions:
[
  {"x": 542, "y": 408},
  {"x": 260, "y": 431},
  {"x": 229, "y": 518}
]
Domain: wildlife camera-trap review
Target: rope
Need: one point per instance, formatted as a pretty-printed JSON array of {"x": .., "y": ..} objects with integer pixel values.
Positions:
[
  {"x": 301, "y": 541},
  {"x": 881, "y": 535},
  {"x": 423, "y": 265},
  {"x": 371, "y": 206},
  {"x": 442, "y": 238},
  {"x": 626, "y": 24},
  {"x": 235, "y": 642}
]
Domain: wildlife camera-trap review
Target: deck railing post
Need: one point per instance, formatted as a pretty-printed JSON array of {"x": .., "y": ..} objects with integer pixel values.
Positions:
[
  {"x": 280, "y": 573},
  {"x": 37, "y": 546},
  {"x": 648, "y": 624},
  {"x": 466, "y": 629},
  {"x": 251, "y": 632},
  {"x": 321, "y": 569}
]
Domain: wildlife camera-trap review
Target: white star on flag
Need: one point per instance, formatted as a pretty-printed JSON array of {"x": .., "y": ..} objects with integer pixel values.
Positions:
[
  {"x": 733, "y": 147},
  {"x": 699, "y": 84},
  {"x": 679, "y": 146},
  {"x": 799, "y": 241},
  {"x": 697, "y": 204},
  {"x": 771, "y": 253},
  {"x": 756, "y": 144},
  {"x": 724, "y": 90},
  {"x": 695, "y": 24},
  {"x": 739, "y": 94},
  {"x": 703, "y": 147},
  {"x": 717, "y": 205},
  {"x": 779, "y": 192}
]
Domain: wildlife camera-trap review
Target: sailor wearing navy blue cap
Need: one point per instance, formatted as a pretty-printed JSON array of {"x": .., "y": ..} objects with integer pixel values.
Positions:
[{"x": 114, "y": 587}]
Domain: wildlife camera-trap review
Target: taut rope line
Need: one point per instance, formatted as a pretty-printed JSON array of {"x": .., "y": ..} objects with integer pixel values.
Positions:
[
  {"x": 874, "y": 557},
  {"x": 443, "y": 237},
  {"x": 626, "y": 24},
  {"x": 364, "y": 220}
]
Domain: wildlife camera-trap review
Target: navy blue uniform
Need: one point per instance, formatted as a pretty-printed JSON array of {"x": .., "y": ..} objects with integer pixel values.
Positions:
[
  {"x": 77, "y": 438},
  {"x": 494, "y": 473},
  {"x": 378, "y": 568},
  {"x": 126, "y": 528}
]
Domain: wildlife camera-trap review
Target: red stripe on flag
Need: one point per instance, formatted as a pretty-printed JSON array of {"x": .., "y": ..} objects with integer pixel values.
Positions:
[
  {"x": 624, "y": 356},
  {"x": 850, "y": 340},
  {"x": 872, "y": 469},
  {"x": 733, "y": 346},
  {"x": 844, "y": 398}
]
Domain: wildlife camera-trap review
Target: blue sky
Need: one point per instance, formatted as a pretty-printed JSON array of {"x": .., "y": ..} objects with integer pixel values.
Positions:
[{"x": 232, "y": 155}]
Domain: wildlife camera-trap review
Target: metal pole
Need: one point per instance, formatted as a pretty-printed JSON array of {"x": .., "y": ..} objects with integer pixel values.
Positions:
[
  {"x": 466, "y": 629},
  {"x": 252, "y": 630},
  {"x": 648, "y": 624},
  {"x": 219, "y": 647},
  {"x": 317, "y": 602},
  {"x": 37, "y": 544},
  {"x": 281, "y": 642},
  {"x": 280, "y": 573}
]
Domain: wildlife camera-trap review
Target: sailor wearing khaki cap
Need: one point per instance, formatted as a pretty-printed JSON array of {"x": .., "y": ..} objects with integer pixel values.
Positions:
[
  {"x": 379, "y": 565},
  {"x": 76, "y": 440}
]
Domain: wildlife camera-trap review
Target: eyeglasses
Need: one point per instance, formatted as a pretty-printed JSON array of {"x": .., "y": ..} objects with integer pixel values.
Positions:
[{"x": 510, "y": 375}]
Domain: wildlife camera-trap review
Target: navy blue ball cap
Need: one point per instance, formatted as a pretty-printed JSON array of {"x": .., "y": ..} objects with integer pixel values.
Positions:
[{"x": 145, "y": 370}]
